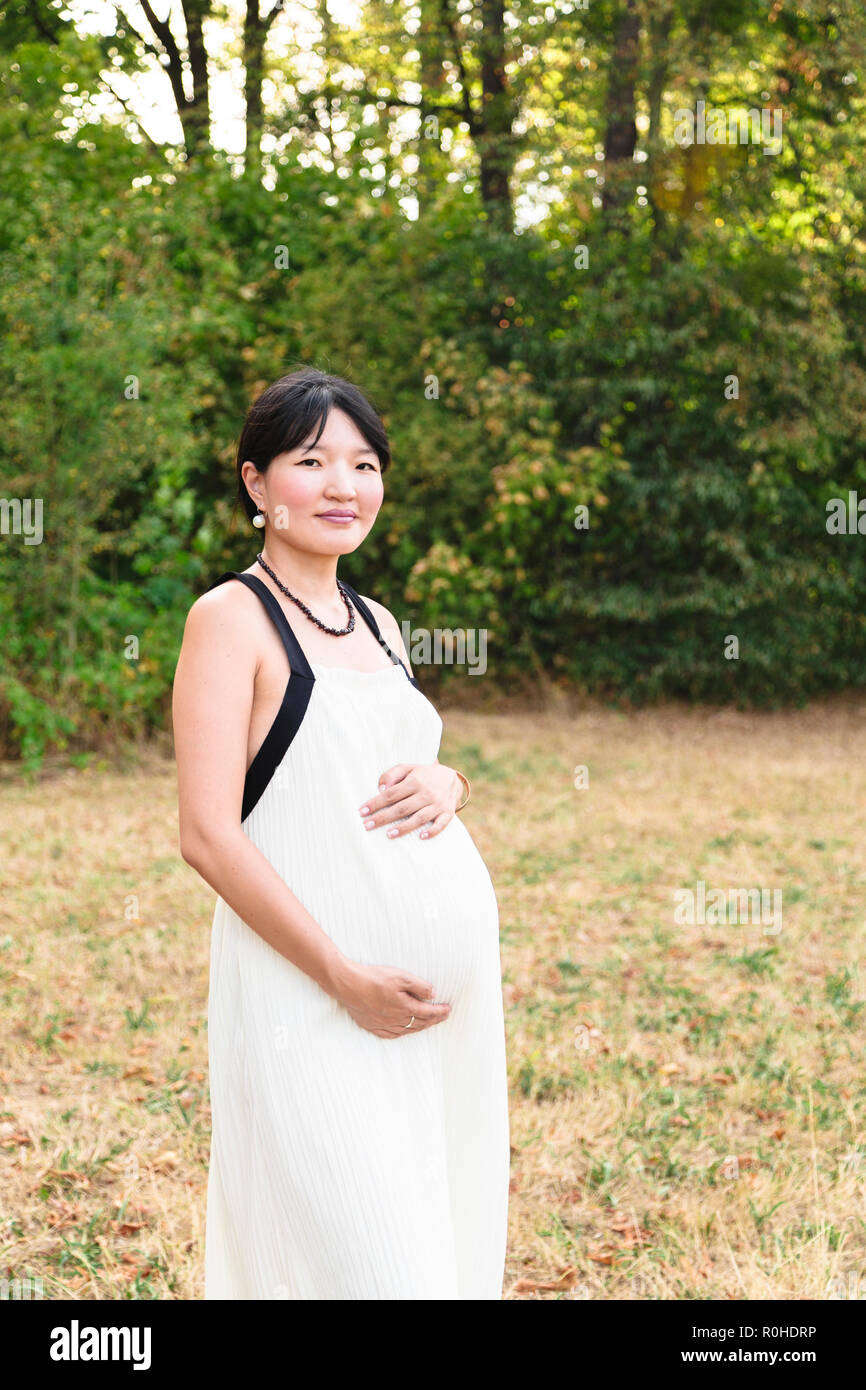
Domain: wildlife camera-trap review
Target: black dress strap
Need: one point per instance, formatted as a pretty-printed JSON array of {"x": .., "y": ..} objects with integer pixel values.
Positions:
[
  {"x": 295, "y": 700},
  {"x": 367, "y": 614}
]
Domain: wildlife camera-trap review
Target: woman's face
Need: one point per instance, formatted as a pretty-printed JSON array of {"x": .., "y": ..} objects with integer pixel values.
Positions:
[{"x": 339, "y": 475}]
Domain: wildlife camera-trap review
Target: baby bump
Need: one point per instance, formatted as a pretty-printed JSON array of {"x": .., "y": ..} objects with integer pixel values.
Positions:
[
  {"x": 426, "y": 906},
  {"x": 456, "y": 897}
]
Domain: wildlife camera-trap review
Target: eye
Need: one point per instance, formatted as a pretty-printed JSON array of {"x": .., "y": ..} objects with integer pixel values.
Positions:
[
  {"x": 366, "y": 464},
  {"x": 308, "y": 460}
]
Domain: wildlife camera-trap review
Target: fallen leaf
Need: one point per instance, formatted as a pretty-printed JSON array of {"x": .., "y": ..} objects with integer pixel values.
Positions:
[
  {"x": 134, "y": 1270},
  {"x": 635, "y": 1237},
  {"x": 629, "y": 1231},
  {"x": 63, "y": 1214},
  {"x": 566, "y": 1280},
  {"x": 164, "y": 1162}
]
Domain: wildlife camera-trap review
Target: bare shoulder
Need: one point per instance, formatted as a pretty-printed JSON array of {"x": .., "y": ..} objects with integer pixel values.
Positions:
[
  {"x": 227, "y": 616},
  {"x": 389, "y": 628}
]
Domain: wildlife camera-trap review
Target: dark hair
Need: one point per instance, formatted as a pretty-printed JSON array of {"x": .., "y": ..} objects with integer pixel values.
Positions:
[{"x": 286, "y": 413}]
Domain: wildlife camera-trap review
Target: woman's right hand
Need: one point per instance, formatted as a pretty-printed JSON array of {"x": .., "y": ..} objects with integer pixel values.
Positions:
[{"x": 382, "y": 999}]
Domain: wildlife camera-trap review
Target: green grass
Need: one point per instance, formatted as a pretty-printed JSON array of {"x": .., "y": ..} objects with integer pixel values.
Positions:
[{"x": 687, "y": 1102}]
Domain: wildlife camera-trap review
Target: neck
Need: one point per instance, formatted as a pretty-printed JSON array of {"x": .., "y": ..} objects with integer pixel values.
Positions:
[{"x": 312, "y": 578}]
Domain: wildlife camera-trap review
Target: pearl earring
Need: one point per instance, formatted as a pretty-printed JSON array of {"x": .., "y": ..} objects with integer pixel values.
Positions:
[{"x": 258, "y": 519}]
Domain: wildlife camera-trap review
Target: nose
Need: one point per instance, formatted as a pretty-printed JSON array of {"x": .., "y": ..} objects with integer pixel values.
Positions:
[{"x": 341, "y": 484}]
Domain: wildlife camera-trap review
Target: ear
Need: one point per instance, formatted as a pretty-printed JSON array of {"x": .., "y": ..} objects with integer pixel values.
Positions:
[{"x": 253, "y": 480}]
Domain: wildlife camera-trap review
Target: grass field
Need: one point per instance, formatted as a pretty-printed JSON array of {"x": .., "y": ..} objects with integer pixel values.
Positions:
[{"x": 687, "y": 1101}]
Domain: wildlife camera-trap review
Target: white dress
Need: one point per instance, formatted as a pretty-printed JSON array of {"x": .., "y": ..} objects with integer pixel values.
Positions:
[{"x": 344, "y": 1165}]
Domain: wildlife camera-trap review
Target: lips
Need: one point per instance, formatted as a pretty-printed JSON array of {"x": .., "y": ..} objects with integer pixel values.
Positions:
[{"x": 338, "y": 516}]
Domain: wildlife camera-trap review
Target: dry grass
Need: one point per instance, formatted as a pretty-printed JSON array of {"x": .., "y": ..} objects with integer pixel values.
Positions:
[{"x": 687, "y": 1101}]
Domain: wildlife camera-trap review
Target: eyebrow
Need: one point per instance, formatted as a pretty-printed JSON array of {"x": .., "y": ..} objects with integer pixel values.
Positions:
[{"x": 366, "y": 449}]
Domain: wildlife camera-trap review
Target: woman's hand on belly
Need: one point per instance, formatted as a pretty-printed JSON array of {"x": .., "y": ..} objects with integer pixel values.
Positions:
[
  {"x": 383, "y": 999},
  {"x": 420, "y": 791}
]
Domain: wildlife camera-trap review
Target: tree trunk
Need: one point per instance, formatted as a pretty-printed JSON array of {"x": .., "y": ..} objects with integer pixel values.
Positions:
[
  {"x": 255, "y": 33},
  {"x": 432, "y": 74},
  {"x": 196, "y": 117},
  {"x": 621, "y": 131},
  {"x": 659, "y": 34},
  {"x": 494, "y": 138}
]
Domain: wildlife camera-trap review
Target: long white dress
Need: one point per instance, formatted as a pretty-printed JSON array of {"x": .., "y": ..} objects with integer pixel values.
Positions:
[{"x": 344, "y": 1165}]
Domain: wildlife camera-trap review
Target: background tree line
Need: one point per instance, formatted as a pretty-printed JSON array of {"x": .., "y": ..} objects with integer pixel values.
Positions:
[{"x": 433, "y": 172}]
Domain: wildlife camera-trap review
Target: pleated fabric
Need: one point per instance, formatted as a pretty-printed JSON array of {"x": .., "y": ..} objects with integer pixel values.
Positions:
[{"x": 343, "y": 1165}]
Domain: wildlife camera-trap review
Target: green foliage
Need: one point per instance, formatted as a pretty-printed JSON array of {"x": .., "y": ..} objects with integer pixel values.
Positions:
[{"x": 142, "y": 307}]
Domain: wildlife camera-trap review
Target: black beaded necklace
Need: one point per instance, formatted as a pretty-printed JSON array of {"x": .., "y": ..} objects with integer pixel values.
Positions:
[{"x": 334, "y": 631}]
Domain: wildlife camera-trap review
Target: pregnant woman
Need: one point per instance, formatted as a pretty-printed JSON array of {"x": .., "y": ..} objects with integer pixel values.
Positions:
[{"x": 360, "y": 1142}]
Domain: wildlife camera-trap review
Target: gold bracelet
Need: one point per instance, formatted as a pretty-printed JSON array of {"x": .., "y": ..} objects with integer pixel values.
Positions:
[{"x": 465, "y": 781}]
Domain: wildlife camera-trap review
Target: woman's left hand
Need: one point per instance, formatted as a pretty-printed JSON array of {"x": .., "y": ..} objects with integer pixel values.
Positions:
[{"x": 422, "y": 791}]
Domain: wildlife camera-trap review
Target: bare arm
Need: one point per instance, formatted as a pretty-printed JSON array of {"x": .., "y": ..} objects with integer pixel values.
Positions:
[{"x": 211, "y": 706}]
